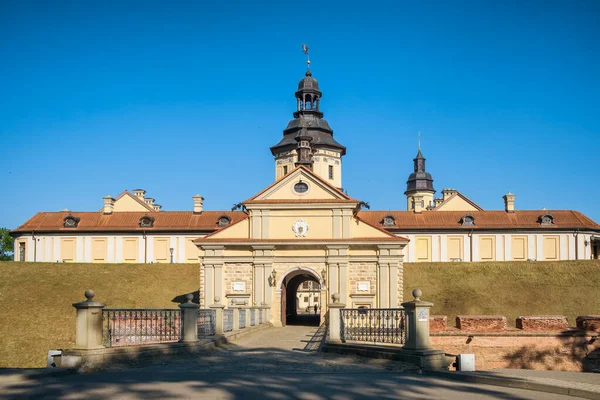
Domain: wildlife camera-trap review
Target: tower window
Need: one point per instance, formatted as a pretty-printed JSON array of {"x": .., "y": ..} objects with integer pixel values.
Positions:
[
  {"x": 331, "y": 172},
  {"x": 285, "y": 170}
]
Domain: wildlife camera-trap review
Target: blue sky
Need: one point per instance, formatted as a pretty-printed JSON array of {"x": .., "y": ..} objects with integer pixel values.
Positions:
[{"x": 181, "y": 98}]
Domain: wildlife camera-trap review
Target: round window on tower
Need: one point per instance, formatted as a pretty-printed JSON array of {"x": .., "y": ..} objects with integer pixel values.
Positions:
[{"x": 301, "y": 187}]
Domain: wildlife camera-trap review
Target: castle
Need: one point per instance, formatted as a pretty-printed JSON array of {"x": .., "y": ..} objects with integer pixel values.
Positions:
[{"x": 304, "y": 227}]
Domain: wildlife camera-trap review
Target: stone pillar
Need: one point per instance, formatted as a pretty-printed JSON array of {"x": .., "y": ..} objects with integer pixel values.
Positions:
[
  {"x": 218, "y": 280},
  {"x": 247, "y": 311},
  {"x": 417, "y": 315},
  {"x": 335, "y": 319},
  {"x": 189, "y": 317},
  {"x": 88, "y": 332},
  {"x": 384, "y": 285},
  {"x": 236, "y": 317},
  {"x": 218, "y": 307},
  {"x": 209, "y": 284}
]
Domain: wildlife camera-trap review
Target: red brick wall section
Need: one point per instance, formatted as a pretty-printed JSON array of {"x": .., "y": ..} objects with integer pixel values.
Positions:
[
  {"x": 543, "y": 323},
  {"x": 589, "y": 323},
  {"x": 481, "y": 323},
  {"x": 438, "y": 323}
]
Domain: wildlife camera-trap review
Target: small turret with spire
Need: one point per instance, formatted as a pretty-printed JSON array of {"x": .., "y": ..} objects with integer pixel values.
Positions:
[{"x": 419, "y": 184}]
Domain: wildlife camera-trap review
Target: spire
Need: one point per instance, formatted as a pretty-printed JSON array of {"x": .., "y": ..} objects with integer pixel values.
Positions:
[{"x": 305, "y": 50}]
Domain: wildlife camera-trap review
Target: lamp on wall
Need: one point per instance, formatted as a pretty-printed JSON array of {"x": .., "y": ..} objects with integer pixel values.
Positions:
[
  {"x": 586, "y": 243},
  {"x": 171, "y": 250},
  {"x": 272, "y": 278}
]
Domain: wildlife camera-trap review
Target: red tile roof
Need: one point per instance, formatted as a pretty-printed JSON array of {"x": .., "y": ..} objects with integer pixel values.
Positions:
[
  {"x": 128, "y": 221},
  {"x": 520, "y": 219}
]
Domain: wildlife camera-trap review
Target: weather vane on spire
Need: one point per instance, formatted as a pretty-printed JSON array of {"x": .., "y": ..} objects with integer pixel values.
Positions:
[
  {"x": 305, "y": 50},
  {"x": 419, "y": 140}
]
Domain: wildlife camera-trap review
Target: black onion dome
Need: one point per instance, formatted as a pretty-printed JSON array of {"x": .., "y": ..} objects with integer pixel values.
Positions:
[{"x": 308, "y": 82}]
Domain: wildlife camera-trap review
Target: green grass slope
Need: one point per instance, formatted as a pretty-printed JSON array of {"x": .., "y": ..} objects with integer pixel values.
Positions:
[
  {"x": 569, "y": 288},
  {"x": 36, "y": 314}
]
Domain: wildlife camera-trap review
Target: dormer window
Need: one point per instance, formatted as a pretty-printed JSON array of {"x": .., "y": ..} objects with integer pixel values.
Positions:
[
  {"x": 388, "y": 220},
  {"x": 223, "y": 220},
  {"x": 146, "y": 222},
  {"x": 71, "y": 221},
  {"x": 467, "y": 220},
  {"x": 546, "y": 219}
]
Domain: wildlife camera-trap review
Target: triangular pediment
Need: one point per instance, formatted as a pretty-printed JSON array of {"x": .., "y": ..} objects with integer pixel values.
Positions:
[
  {"x": 458, "y": 202},
  {"x": 300, "y": 185}
]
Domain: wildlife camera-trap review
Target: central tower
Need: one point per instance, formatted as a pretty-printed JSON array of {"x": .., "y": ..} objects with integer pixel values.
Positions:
[{"x": 308, "y": 139}]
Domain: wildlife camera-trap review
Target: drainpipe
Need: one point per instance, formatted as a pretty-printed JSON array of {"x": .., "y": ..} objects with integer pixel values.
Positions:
[
  {"x": 576, "y": 234},
  {"x": 471, "y": 245},
  {"x": 34, "y": 246},
  {"x": 145, "y": 246}
]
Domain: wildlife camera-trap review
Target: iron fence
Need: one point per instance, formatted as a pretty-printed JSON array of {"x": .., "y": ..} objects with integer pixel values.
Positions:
[
  {"x": 242, "y": 318},
  {"x": 128, "y": 327},
  {"x": 252, "y": 317},
  {"x": 227, "y": 320},
  {"x": 377, "y": 325},
  {"x": 207, "y": 322}
]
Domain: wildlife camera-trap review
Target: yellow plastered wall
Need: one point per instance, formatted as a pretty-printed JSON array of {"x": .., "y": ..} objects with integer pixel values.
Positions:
[
  {"x": 235, "y": 231},
  {"x": 427, "y": 200},
  {"x": 99, "y": 250},
  {"x": 285, "y": 190},
  {"x": 456, "y": 204},
  {"x": 487, "y": 248},
  {"x": 359, "y": 229},
  {"x": 280, "y": 227},
  {"x": 455, "y": 247},
  {"x": 130, "y": 250},
  {"x": 161, "y": 249},
  {"x": 191, "y": 250},
  {"x": 519, "y": 248},
  {"x": 67, "y": 249},
  {"x": 127, "y": 203},
  {"x": 551, "y": 247},
  {"x": 423, "y": 248}
]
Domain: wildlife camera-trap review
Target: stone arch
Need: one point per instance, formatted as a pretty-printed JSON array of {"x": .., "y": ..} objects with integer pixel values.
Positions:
[{"x": 282, "y": 296}]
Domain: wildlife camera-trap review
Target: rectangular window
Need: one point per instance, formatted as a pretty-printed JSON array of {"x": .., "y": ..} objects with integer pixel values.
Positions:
[
  {"x": 455, "y": 248},
  {"x": 130, "y": 250},
  {"x": 285, "y": 169},
  {"x": 161, "y": 250},
  {"x": 67, "y": 249},
  {"x": 519, "y": 248},
  {"x": 331, "y": 172},
  {"x": 551, "y": 246},
  {"x": 316, "y": 299},
  {"x": 306, "y": 299},
  {"x": 423, "y": 247},
  {"x": 22, "y": 256},
  {"x": 487, "y": 248}
]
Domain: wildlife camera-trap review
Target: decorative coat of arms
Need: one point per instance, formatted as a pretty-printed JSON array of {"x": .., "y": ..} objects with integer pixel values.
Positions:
[{"x": 300, "y": 228}]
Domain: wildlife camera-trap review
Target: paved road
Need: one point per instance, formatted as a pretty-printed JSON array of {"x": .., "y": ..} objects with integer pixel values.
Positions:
[{"x": 271, "y": 364}]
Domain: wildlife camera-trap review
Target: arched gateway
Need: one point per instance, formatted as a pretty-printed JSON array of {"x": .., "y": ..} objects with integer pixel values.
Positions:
[
  {"x": 287, "y": 291},
  {"x": 300, "y": 229}
]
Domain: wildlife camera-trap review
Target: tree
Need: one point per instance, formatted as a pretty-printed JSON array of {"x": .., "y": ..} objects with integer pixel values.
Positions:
[{"x": 6, "y": 245}]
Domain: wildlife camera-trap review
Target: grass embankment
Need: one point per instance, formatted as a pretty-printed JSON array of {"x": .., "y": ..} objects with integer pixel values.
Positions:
[
  {"x": 568, "y": 288},
  {"x": 36, "y": 314}
]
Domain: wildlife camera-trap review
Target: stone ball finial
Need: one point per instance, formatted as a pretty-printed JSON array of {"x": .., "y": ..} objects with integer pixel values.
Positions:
[
  {"x": 89, "y": 294},
  {"x": 217, "y": 299},
  {"x": 336, "y": 297},
  {"x": 189, "y": 297},
  {"x": 417, "y": 293}
]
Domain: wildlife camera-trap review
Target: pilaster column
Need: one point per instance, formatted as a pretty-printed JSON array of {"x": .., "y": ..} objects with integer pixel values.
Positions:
[
  {"x": 209, "y": 284},
  {"x": 218, "y": 307},
  {"x": 384, "y": 282},
  {"x": 218, "y": 281}
]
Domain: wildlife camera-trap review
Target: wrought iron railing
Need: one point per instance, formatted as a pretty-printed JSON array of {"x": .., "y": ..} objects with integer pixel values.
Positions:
[
  {"x": 377, "y": 325},
  {"x": 252, "y": 316},
  {"x": 207, "y": 322},
  {"x": 128, "y": 327},
  {"x": 227, "y": 320},
  {"x": 242, "y": 318}
]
